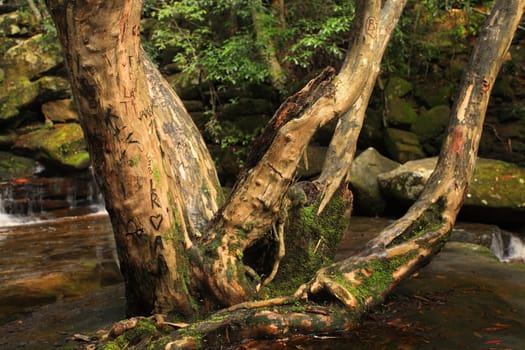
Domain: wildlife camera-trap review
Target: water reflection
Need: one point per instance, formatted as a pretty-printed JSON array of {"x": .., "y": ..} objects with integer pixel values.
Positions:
[{"x": 46, "y": 260}]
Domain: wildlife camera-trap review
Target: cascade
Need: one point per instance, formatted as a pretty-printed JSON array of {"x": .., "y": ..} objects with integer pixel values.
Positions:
[
  {"x": 508, "y": 247},
  {"x": 26, "y": 200}
]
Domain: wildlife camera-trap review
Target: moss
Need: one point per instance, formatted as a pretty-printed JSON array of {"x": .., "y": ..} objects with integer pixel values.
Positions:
[
  {"x": 134, "y": 161},
  {"x": 156, "y": 175},
  {"x": 141, "y": 333},
  {"x": 310, "y": 241},
  {"x": 430, "y": 220},
  {"x": 376, "y": 278}
]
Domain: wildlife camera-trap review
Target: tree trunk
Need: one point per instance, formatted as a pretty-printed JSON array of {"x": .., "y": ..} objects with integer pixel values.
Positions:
[
  {"x": 181, "y": 254},
  {"x": 144, "y": 149}
]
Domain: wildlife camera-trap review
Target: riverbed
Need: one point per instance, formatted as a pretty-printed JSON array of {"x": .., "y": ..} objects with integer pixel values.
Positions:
[{"x": 59, "y": 277}]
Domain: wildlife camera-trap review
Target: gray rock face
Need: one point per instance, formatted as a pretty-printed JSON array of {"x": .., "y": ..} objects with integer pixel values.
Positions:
[{"x": 363, "y": 181}]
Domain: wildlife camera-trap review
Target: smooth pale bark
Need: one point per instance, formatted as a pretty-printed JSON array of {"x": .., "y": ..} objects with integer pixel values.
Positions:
[
  {"x": 257, "y": 199},
  {"x": 412, "y": 240}
]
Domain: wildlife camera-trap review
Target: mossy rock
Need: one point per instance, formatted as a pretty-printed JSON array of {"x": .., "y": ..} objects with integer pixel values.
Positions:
[
  {"x": 495, "y": 184},
  {"x": 7, "y": 139},
  {"x": 16, "y": 24},
  {"x": 62, "y": 145},
  {"x": 32, "y": 57},
  {"x": 402, "y": 145},
  {"x": 14, "y": 95},
  {"x": 434, "y": 94},
  {"x": 12, "y": 166},
  {"x": 397, "y": 87},
  {"x": 400, "y": 112},
  {"x": 429, "y": 127}
]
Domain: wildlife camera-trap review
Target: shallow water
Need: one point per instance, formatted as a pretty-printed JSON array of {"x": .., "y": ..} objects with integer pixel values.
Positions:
[
  {"x": 45, "y": 260},
  {"x": 60, "y": 277}
]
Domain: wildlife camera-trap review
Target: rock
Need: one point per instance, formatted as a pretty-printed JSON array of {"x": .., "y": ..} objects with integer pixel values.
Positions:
[
  {"x": 7, "y": 139},
  {"x": 434, "y": 96},
  {"x": 61, "y": 145},
  {"x": 14, "y": 95},
  {"x": 368, "y": 199},
  {"x": 16, "y": 24},
  {"x": 402, "y": 145},
  {"x": 407, "y": 181},
  {"x": 372, "y": 130},
  {"x": 246, "y": 106},
  {"x": 312, "y": 164},
  {"x": 429, "y": 127},
  {"x": 397, "y": 87},
  {"x": 496, "y": 193},
  {"x": 400, "y": 112},
  {"x": 59, "y": 111},
  {"x": 12, "y": 166},
  {"x": 22, "y": 92},
  {"x": 32, "y": 57}
]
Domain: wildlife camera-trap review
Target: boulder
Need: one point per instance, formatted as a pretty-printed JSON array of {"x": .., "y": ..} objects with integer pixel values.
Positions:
[
  {"x": 14, "y": 95},
  {"x": 400, "y": 112},
  {"x": 429, "y": 127},
  {"x": 32, "y": 57},
  {"x": 16, "y": 24},
  {"x": 12, "y": 167},
  {"x": 312, "y": 164},
  {"x": 402, "y": 145},
  {"x": 397, "y": 87},
  {"x": 59, "y": 111},
  {"x": 368, "y": 199},
  {"x": 433, "y": 95},
  {"x": 495, "y": 194},
  {"x": 61, "y": 145}
]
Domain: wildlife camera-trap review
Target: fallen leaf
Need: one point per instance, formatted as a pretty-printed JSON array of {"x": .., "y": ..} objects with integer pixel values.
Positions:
[
  {"x": 502, "y": 325},
  {"x": 477, "y": 334},
  {"x": 494, "y": 342}
]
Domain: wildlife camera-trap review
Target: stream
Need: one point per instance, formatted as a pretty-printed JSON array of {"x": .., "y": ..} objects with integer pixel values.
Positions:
[{"x": 59, "y": 277}]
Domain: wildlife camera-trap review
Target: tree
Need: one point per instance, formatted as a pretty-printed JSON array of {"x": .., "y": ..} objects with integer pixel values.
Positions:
[{"x": 184, "y": 250}]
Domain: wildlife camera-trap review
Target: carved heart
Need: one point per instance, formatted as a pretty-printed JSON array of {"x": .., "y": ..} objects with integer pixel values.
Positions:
[{"x": 156, "y": 221}]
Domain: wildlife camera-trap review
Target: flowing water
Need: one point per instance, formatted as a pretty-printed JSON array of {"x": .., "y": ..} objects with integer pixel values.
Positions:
[{"x": 59, "y": 276}]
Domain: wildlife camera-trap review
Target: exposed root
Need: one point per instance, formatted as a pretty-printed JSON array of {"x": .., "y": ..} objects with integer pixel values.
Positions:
[
  {"x": 278, "y": 232},
  {"x": 262, "y": 303}
]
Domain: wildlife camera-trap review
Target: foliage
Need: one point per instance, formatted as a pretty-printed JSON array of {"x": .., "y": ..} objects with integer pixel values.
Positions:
[
  {"x": 430, "y": 29},
  {"x": 224, "y": 41}
]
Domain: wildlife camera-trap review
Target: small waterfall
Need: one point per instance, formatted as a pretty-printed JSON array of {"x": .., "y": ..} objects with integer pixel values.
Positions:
[
  {"x": 508, "y": 247},
  {"x": 27, "y": 200}
]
